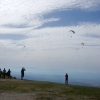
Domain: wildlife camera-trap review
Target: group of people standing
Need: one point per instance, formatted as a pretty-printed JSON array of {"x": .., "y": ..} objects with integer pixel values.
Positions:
[{"x": 4, "y": 73}]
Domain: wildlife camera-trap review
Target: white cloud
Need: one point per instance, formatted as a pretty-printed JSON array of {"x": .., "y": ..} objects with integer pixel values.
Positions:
[
  {"x": 51, "y": 20},
  {"x": 30, "y": 12},
  {"x": 56, "y": 37},
  {"x": 9, "y": 30},
  {"x": 53, "y": 39},
  {"x": 62, "y": 34}
]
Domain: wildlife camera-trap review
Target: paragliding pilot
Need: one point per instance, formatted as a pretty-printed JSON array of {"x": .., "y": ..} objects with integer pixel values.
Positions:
[
  {"x": 66, "y": 79},
  {"x": 22, "y": 73}
]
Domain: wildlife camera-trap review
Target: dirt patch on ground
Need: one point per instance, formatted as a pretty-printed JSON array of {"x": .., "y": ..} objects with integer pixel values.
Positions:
[
  {"x": 17, "y": 96},
  {"x": 10, "y": 80}
]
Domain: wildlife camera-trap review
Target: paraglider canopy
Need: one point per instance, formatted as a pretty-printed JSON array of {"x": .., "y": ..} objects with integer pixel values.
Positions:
[
  {"x": 72, "y": 31},
  {"x": 82, "y": 43}
]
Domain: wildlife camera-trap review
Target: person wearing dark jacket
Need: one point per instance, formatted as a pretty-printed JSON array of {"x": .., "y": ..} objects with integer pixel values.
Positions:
[
  {"x": 4, "y": 73},
  {"x": 9, "y": 73},
  {"x": 22, "y": 73},
  {"x": 66, "y": 79},
  {"x": 0, "y": 72}
]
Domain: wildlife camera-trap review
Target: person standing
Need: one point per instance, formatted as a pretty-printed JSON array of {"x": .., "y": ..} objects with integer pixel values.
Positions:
[
  {"x": 22, "y": 73},
  {"x": 66, "y": 79},
  {"x": 0, "y": 72},
  {"x": 4, "y": 73},
  {"x": 9, "y": 73}
]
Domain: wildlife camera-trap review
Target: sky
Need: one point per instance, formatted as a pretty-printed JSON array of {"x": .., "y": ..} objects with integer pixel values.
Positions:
[{"x": 35, "y": 34}]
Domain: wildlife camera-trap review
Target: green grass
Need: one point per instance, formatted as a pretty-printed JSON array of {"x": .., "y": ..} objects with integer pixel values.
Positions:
[{"x": 50, "y": 91}]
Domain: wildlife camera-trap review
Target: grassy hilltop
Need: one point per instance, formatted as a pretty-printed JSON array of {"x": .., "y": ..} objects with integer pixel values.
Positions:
[{"x": 49, "y": 90}]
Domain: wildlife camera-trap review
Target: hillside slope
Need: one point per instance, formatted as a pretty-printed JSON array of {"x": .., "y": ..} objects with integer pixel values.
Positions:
[{"x": 14, "y": 89}]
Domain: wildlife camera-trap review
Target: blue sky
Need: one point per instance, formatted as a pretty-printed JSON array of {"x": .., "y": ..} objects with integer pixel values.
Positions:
[{"x": 35, "y": 34}]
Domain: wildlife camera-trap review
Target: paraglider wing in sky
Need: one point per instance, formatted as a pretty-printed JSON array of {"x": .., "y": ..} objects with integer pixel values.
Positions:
[
  {"x": 72, "y": 31},
  {"x": 82, "y": 43}
]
